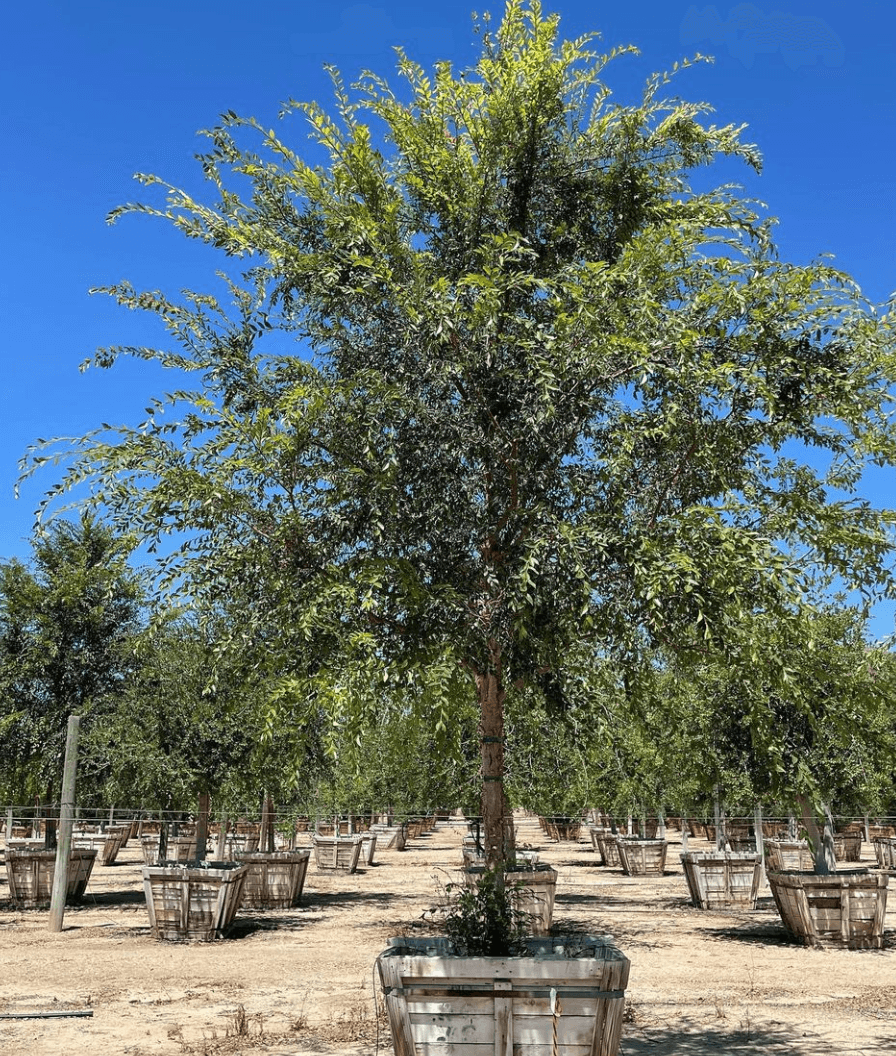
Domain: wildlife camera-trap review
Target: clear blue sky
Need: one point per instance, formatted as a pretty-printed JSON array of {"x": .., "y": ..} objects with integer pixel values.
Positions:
[{"x": 95, "y": 91}]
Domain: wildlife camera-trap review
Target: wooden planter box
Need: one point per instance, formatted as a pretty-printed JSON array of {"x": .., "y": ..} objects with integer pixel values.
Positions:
[
  {"x": 392, "y": 837},
  {"x": 696, "y": 828},
  {"x": 30, "y": 874},
  {"x": 604, "y": 842},
  {"x": 179, "y": 849},
  {"x": 533, "y": 892},
  {"x": 195, "y": 902},
  {"x": 553, "y": 1003},
  {"x": 848, "y": 846},
  {"x": 332, "y": 852},
  {"x": 239, "y": 843},
  {"x": 742, "y": 844},
  {"x": 881, "y": 830},
  {"x": 844, "y": 909},
  {"x": 721, "y": 880},
  {"x": 885, "y": 852},
  {"x": 564, "y": 830},
  {"x": 107, "y": 844},
  {"x": 275, "y": 879},
  {"x": 642, "y": 857},
  {"x": 789, "y": 856}
]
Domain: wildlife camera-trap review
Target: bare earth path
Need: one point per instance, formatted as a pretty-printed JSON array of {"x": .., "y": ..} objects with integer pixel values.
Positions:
[{"x": 302, "y": 981}]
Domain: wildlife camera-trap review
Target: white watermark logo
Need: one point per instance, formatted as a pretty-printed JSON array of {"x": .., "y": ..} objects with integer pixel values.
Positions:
[{"x": 801, "y": 39}]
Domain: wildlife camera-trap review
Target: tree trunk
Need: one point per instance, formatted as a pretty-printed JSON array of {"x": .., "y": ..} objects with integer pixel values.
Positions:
[
  {"x": 497, "y": 835},
  {"x": 202, "y": 826},
  {"x": 822, "y": 849}
]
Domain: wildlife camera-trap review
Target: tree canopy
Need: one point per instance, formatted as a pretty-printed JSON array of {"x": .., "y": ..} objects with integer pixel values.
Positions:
[
  {"x": 68, "y": 636},
  {"x": 544, "y": 390}
]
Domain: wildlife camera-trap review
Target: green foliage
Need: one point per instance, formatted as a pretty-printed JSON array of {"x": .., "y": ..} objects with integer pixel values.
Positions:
[
  {"x": 551, "y": 394},
  {"x": 482, "y": 920},
  {"x": 69, "y": 626}
]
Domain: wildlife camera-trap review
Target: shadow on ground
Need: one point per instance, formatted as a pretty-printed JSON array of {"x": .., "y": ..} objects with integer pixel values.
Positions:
[{"x": 710, "y": 1041}]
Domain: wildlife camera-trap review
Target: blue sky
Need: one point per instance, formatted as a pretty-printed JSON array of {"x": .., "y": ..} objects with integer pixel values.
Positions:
[{"x": 96, "y": 91}]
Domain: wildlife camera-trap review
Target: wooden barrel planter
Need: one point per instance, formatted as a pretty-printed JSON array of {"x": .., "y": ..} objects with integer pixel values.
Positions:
[
  {"x": 555, "y": 1002},
  {"x": 641, "y": 857},
  {"x": 337, "y": 852},
  {"x": 848, "y": 846},
  {"x": 885, "y": 852},
  {"x": 178, "y": 849},
  {"x": 30, "y": 875},
  {"x": 275, "y": 879},
  {"x": 789, "y": 856},
  {"x": 195, "y": 902},
  {"x": 846, "y": 908},
  {"x": 722, "y": 879}
]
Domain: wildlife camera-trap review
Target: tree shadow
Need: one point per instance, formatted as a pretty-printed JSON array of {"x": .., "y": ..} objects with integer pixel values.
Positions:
[
  {"x": 111, "y": 898},
  {"x": 312, "y": 899},
  {"x": 772, "y": 932},
  {"x": 744, "y": 1039}
]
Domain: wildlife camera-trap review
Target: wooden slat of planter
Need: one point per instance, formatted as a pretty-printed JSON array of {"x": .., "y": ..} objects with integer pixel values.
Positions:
[
  {"x": 426, "y": 1005},
  {"x": 487, "y": 1028},
  {"x": 454, "y": 1048}
]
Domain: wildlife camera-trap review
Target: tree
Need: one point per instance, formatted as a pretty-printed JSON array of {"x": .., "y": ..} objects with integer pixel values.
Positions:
[
  {"x": 68, "y": 632},
  {"x": 824, "y": 698},
  {"x": 547, "y": 394}
]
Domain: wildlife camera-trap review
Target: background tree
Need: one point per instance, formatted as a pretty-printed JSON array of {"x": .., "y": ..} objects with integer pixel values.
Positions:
[
  {"x": 825, "y": 700},
  {"x": 548, "y": 393},
  {"x": 69, "y": 626}
]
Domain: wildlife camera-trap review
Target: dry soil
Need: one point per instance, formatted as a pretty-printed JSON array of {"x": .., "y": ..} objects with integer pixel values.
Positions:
[{"x": 303, "y": 981}]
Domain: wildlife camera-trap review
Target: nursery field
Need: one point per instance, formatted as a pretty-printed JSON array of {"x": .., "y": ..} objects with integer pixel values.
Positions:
[{"x": 302, "y": 980}]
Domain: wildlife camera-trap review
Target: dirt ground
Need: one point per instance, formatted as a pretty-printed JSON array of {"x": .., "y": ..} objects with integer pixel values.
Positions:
[{"x": 302, "y": 981}]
